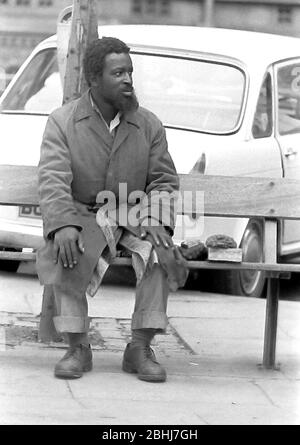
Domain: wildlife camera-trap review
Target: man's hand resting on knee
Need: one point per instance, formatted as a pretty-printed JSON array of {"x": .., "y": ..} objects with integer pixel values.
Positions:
[
  {"x": 169, "y": 256},
  {"x": 68, "y": 243},
  {"x": 158, "y": 235}
]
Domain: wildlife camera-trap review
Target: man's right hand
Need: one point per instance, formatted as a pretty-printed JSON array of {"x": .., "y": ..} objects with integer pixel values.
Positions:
[{"x": 68, "y": 243}]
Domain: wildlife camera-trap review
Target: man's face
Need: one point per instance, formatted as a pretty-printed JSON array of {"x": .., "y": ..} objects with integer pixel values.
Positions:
[{"x": 115, "y": 86}]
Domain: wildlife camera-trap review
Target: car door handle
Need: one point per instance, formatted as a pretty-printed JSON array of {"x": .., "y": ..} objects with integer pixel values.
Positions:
[{"x": 290, "y": 152}]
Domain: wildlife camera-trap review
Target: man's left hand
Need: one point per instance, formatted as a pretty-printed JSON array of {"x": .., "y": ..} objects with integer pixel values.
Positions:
[
  {"x": 169, "y": 256},
  {"x": 159, "y": 235}
]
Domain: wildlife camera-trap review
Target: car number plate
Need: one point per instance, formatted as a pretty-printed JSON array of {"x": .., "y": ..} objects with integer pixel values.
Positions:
[{"x": 29, "y": 211}]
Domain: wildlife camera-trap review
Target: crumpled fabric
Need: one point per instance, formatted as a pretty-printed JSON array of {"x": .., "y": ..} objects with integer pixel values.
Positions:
[
  {"x": 175, "y": 266},
  {"x": 144, "y": 255}
]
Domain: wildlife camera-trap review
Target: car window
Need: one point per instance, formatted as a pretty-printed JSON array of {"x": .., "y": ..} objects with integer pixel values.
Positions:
[
  {"x": 189, "y": 93},
  {"x": 38, "y": 89},
  {"x": 262, "y": 122},
  {"x": 184, "y": 93},
  {"x": 288, "y": 102}
]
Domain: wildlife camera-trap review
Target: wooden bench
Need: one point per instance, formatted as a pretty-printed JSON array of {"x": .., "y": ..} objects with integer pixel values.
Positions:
[{"x": 238, "y": 197}]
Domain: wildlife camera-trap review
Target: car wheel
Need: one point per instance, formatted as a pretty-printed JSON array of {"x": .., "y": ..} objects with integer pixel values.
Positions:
[
  {"x": 9, "y": 265},
  {"x": 249, "y": 283}
]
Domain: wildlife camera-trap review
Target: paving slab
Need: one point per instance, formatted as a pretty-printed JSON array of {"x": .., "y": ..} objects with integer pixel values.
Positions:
[{"x": 30, "y": 394}]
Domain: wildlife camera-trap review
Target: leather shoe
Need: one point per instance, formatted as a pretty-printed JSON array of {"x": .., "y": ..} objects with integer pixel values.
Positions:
[
  {"x": 76, "y": 361},
  {"x": 141, "y": 360}
]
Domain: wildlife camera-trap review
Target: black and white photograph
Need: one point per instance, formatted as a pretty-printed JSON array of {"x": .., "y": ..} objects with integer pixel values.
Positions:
[{"x": 149, "y": 216}]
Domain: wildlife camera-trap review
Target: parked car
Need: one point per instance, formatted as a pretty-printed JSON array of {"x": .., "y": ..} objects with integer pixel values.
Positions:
[{"x": 230, "y": 103}]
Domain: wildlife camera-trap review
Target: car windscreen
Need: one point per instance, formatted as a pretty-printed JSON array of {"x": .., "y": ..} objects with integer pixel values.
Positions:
[
  {"x": 38, "y": 89},
  {"x": 190, "y": 93},
  {"x": 185, "y": 93}
]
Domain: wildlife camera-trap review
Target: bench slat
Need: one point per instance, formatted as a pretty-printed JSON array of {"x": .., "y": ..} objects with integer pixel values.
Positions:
[
  {"x": 223, "y": 195},
  {"x": 244, "y": 196},
  {"x": 227, "y": 266},
  {"x": 30, "y": 256},
  {"x": 18, "y": 185}
]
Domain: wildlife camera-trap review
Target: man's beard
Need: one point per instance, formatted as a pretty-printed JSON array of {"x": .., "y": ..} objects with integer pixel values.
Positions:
[{"x": 126, "y": 104}]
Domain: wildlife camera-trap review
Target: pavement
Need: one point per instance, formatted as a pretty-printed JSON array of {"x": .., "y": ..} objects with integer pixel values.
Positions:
[{"x": 212, "y": 352}]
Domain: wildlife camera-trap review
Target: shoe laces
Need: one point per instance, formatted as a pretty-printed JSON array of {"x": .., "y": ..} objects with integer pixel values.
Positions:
[{"x": 149, "y": 353}]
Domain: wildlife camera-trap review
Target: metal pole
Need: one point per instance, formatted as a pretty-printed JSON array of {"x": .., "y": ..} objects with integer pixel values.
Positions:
[{"x": 271, "y": 323}]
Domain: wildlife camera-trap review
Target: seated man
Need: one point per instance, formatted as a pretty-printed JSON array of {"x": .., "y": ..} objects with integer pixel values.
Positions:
[{"x": 94, "y": 145}]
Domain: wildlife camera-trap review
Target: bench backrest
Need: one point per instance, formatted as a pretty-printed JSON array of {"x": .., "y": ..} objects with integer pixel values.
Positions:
[{"x": 223, "y": 195}]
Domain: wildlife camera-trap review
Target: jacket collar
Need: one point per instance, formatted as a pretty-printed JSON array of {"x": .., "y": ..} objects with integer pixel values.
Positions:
[{"x": 84, "y": 107}]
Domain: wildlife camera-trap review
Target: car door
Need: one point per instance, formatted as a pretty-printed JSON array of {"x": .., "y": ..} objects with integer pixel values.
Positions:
[{"x": 287, "y": 132}]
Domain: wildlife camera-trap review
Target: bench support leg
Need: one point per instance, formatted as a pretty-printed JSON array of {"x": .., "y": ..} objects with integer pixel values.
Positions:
[{"x": 271, "y": 323}]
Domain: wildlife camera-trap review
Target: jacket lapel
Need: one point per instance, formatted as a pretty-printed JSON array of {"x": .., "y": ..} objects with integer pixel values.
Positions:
[
  {"x": 96, "y": 125},
  {"x": 127, "y": 121},
  {"x": 121, "y": 135}
]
